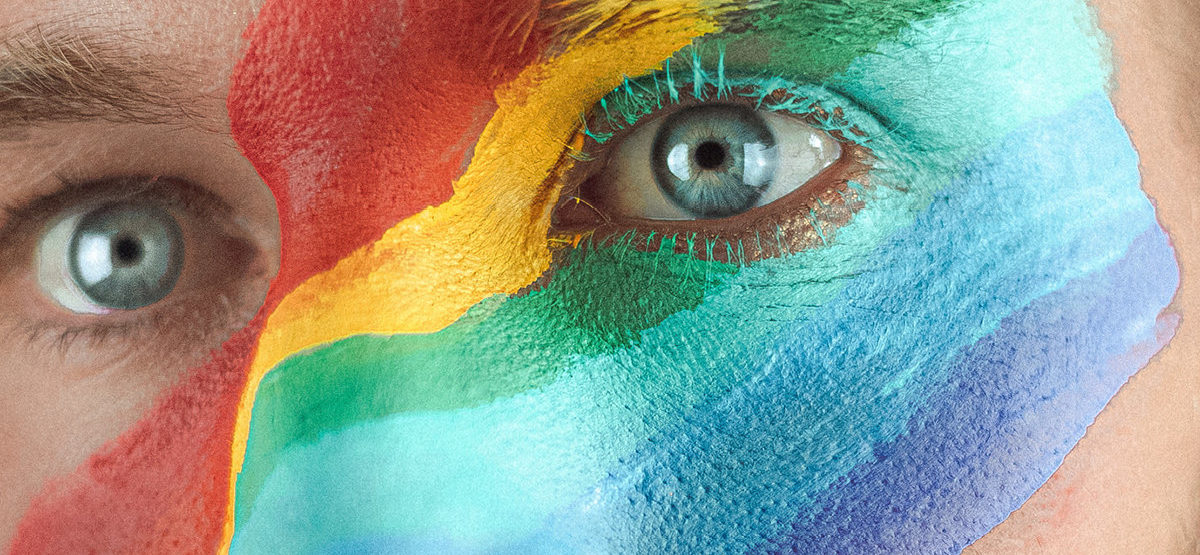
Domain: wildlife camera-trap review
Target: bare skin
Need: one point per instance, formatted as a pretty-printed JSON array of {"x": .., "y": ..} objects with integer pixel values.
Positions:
[
  {"x": 1132, "y": 485},
  {"x": 59, "y": 403}
]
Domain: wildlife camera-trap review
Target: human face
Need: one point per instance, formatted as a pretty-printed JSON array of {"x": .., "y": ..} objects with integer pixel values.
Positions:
[{"x": 473, "y": 343}]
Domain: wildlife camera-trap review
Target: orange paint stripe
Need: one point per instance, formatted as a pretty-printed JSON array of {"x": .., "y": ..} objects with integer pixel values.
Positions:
[{"x": 491, "y": 236}]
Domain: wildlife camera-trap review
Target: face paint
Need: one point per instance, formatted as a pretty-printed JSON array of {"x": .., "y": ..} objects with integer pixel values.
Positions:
[
  {"x": 164, "y": 485},
  {"x": 555, "y": 420},
  {"x": 499, "y": 208},
  {"x": 901, "y": 386}
]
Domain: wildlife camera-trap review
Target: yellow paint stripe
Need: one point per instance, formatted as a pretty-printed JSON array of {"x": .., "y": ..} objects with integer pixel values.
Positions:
[{"x": 491, "y": 236}]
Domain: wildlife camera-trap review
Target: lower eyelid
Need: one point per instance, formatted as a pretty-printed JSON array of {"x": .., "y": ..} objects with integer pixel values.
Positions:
[{"x": 783, "y": 227}]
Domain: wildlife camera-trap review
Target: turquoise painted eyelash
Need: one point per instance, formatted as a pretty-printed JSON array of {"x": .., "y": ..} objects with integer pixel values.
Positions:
[{"x": 636, "y": 98}]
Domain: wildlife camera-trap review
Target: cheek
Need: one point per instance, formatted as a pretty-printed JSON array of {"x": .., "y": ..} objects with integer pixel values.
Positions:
[
  {"x": 163, "y": 475},
  {"x": 904, "y": 395},
  {"x": 53, "y": 421},
  {"x": 1036, "y": 285}
]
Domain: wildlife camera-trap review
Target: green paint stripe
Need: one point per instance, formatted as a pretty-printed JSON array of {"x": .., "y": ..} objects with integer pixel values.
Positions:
[
  {"x": 599, "y": 301},
  {"x": 815, "y": 39}
]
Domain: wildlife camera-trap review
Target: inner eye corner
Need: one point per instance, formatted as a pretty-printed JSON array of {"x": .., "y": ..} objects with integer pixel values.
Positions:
[{"x": 573, "y": 212}]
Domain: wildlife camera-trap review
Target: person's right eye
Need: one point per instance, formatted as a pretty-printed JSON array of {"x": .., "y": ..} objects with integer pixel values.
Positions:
[
  {"x": 129, "y": 263},
  {"x": 115, "y": 256}
]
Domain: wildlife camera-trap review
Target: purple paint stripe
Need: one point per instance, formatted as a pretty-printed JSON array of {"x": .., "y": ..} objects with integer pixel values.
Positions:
[{"x": 995, "y": 435}]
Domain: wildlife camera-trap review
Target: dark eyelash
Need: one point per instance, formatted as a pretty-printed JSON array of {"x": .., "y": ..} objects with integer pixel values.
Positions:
[
  {"x": 72, "y": 192},
  {"x": 142, "y": 328},
  {"x": 636, "y": 98},
  {"x": 97, "y": 334}
]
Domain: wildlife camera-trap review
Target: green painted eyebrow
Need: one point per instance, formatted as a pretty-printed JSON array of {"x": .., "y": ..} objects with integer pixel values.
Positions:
[
  {"x": 815, "y": 39},
  {"x": 807, "y": 39}
]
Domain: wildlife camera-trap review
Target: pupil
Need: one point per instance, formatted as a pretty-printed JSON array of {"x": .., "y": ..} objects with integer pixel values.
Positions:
[
  {"x": 710, "y": 155},
  {"x": 128, "y": 251}
]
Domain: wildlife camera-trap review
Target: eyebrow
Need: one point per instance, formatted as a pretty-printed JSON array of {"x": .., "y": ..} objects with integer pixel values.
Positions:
[
  {"x": 51, "y": 73},
  {"x": 570, "y": 20}
]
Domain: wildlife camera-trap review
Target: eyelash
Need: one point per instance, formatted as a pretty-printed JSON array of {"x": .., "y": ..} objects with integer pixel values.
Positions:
[
  {"x": 667, "y": 89},
  {"x": 95, "y": 335},
  {"x": 820, "y": 107}
]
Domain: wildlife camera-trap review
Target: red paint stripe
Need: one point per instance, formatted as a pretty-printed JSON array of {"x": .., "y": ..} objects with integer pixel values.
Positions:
[
  {"x": 161, "y": 487},
  {"x": 357, "y": 115}
]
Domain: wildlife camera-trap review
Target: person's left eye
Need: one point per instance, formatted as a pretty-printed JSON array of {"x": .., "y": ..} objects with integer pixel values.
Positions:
[
  {"x": 738, "y": 171},
  {"x": 710, "y": 161}
]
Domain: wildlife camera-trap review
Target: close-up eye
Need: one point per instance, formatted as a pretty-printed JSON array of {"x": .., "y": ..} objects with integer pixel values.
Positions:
[
  {"x": 118, "y": 256},
  {"x": 739, "y": 173},
  {"x": 131, "y": 255},
  {"x": 709, "y": 161}
]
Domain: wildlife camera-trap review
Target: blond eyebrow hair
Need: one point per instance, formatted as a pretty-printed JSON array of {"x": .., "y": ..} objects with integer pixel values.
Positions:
[{"x": 60, "y": 74}]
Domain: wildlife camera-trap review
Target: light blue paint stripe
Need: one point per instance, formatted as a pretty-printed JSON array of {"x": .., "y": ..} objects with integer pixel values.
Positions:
[
  {"x": 1057, "y": 200},
  {"x": 1016, "y": 403}
]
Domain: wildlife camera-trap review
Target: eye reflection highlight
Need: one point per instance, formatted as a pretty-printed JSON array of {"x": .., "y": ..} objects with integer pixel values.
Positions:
[{"x": 714, "y": 160}]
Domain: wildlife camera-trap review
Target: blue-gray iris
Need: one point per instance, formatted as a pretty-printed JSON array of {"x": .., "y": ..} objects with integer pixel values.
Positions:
[
  {"x": 714, "y": 160},
  {"x": 126, "y": 256}
]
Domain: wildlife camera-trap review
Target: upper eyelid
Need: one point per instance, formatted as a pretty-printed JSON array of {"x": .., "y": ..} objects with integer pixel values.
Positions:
[
  {"x": 26, "y": 219},
  {"x": 821, "y": 107}
]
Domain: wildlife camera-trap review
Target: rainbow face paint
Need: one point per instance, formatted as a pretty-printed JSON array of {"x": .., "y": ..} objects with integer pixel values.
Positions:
[
  {"x": 852, "y": 396},
  {"x": 433, "y": 372}
]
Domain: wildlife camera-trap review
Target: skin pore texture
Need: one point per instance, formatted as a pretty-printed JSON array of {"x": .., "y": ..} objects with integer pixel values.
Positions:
[{"x": 434, "y": 367}]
